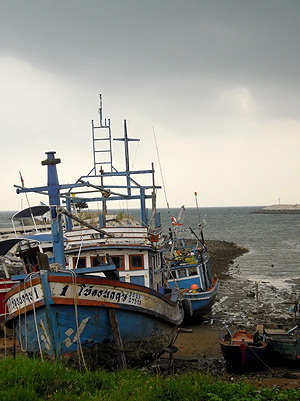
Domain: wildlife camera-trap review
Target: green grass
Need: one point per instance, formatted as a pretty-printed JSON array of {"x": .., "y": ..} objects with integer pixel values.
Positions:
[{"x": 26, "y": 379}]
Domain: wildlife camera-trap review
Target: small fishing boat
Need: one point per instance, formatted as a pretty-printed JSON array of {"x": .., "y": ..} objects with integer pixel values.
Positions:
[
  {"x": 283, "y": 344},
  {"x": 243, "y": 351},
  {"x": 189, "y": 271},
  {"x": 15, "y": 239}
]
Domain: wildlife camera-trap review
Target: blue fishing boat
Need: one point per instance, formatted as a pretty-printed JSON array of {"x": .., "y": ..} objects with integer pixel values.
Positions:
[
  {"x": 92, "y": 313},
  {"x": 134, "y": 245},
  {"x": 96, "y": 321},
  {"x": 189, "y": 271}
]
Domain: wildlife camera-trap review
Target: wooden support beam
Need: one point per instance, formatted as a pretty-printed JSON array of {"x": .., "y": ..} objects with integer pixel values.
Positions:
[{"x": 117, "y": 336}]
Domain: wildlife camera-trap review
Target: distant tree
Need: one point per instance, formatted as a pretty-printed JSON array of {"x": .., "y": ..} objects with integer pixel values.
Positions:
[{"x": 81, "y": 205}]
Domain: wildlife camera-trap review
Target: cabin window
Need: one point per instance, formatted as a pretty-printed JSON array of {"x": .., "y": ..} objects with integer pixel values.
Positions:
[
  {"x": 81, "y": 263},
  {"x": 97, "y": 260},
  {"x": 193, "y": 271},
  {"x": 136, "y": 262},
  {"x": 182, "y": 273},
  {"x": 158, "y": 261},
  {"x": 118, "y": 261}
]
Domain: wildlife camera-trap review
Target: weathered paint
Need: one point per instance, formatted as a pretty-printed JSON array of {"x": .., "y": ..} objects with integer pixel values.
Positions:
[{"x": 54, "y": 314}]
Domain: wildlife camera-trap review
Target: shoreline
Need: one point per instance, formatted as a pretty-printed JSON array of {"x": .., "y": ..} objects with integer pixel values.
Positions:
[{"x": 198, "y": 347}]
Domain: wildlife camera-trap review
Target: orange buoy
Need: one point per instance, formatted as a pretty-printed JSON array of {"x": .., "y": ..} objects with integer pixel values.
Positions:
[{"x": 194, "y": 287}]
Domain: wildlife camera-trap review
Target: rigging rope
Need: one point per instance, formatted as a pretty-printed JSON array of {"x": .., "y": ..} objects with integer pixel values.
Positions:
[{"x": 79, "y": 345}]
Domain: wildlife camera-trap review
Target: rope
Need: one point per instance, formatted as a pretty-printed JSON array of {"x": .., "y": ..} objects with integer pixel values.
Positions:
[
  {"x": 35, "y": 319},
  {"x": 136, "y": 150},
  {"x": 79, "y": 345},
  {"x": 5, "y": 314},
  {"x": 23, "y": 349},
  {"x": 79, "y": 252},
  {"x": 161, "y": 174},
  {"x": 266, "y": 365}
]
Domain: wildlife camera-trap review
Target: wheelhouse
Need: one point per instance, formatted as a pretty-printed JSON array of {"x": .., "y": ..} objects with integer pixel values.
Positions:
[{"x": 136, "y": 254}]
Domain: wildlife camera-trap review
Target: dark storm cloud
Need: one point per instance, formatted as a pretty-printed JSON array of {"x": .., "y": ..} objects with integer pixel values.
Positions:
[
  {"x": 219, "y": 81},
  {"x": 237, "y": 41}
]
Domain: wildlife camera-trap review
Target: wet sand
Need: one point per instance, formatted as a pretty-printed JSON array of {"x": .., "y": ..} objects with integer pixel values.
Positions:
[{"x": 240, "y": 304}]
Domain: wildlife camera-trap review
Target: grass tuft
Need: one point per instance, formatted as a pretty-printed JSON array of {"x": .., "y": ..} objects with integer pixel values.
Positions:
[{"x": 36, "y": 380}]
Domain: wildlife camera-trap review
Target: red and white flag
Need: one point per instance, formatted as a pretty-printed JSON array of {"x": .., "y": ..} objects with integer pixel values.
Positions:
[
  {"x": 175, "y": 222},
  {"x": 22, "y": 181}
]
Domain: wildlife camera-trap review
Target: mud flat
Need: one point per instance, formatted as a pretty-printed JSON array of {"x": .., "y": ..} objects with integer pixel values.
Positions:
[{"x": 240, "y": 304}]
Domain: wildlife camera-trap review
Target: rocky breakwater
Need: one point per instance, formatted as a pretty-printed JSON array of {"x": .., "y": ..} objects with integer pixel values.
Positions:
[{"x": 279, "y": 209}]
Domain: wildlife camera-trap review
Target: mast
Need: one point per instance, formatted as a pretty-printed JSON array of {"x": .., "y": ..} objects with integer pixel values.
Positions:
[
  {"x": 127, "y": 166},
  {"x": 54, "y": 201}
]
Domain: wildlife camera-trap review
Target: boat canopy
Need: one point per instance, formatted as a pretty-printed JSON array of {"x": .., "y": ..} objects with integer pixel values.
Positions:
[
  {"x": 31, "y": 211},
  {"x": 7, "y": 244}
]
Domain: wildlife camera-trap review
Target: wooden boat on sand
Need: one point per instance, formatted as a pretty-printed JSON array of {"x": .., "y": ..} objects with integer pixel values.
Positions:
[
  {"x": 88, "y": 313},
  {"x": 188, "y": 270},
  {"x": 283, "y": 345},
  {"x": 97, "y": 321},
  {"x": 243, "y": 350}
]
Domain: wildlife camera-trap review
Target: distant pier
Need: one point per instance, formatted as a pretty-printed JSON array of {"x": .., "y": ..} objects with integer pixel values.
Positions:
[{"x": 279, "y": 209}]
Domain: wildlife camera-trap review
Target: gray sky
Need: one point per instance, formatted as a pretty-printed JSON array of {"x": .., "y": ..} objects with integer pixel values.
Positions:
[{"x": 217, "y": 81}]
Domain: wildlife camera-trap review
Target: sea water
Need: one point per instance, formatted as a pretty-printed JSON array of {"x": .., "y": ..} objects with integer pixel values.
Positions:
[{"x": 273, "y": 240}]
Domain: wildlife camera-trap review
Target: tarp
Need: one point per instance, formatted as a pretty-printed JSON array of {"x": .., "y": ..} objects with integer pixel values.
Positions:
[{"x": 33, "y": 210}]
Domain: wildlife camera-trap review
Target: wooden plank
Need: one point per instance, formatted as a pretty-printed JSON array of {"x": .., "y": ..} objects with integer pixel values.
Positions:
[{"x": 117, "y": 336}]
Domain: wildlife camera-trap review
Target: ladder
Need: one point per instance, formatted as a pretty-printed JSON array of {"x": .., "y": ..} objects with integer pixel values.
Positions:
[{"x": 102, "y": 149}]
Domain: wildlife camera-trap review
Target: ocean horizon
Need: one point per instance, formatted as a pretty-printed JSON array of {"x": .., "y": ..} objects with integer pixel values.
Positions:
[{"x": 272, "y": 239}]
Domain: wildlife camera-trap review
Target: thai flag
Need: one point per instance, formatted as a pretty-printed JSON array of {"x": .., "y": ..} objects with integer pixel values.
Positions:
[{"x": 175, "y": 222}]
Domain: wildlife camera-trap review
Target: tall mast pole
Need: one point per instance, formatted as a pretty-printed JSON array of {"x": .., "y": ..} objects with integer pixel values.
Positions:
[
  {"x": 127, "y": 158},
  {"x": 127, "y": 166},
  {"x": 153, "y": 196},
  {"x": 54, "y": 201}
]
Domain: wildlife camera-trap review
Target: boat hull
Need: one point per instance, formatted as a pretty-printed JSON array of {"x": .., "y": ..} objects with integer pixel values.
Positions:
[
  {"x": 69, "y": 318},
  {"x": 5, "y": 286},
  {"x": 201, "y": 302},
  {"x": 241, "y": 353},
  {"x": 283, "y": 347},
  {"x": 238, "y": 358}
]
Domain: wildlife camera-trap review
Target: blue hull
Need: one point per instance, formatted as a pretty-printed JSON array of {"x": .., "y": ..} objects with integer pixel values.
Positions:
[
  {"x": 201, "y": 302},
  {"x": 193, "y": 277},
  {"x": 144, "y": 338},
  {"x": 93, "y": 319}
]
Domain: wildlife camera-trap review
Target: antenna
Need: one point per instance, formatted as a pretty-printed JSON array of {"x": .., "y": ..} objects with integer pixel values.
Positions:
[{"x": 200, "y": 224}]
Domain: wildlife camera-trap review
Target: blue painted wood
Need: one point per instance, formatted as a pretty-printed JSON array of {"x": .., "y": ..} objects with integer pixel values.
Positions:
[
  {"x": 186, "y": 276},
  {"x": 68, "y": 320},
  {"x": 137, "y": 280},
  {"x": 48, "y": 320}
]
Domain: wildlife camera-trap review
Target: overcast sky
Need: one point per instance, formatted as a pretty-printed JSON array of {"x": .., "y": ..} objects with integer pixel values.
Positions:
[{"x": 218, "y": 83}]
